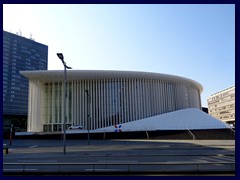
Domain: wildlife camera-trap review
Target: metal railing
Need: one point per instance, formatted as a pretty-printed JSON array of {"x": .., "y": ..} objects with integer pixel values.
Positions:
[
  {"x": 194, "y": 137},
  {"x": 232, "y": 130}
]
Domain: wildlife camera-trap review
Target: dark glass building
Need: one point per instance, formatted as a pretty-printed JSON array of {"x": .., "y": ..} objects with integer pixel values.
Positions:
[{"x": 19, "y": 54}]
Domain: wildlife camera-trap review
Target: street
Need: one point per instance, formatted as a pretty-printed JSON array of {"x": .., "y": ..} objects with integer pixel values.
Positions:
[{"x": 121, "y": 155}]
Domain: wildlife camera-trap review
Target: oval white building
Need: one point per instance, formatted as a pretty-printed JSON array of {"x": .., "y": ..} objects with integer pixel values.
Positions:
[{"x": 115, "y": 97}]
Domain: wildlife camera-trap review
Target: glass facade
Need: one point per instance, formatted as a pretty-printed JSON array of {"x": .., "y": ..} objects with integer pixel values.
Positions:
[{"x": 19, "y": 54}]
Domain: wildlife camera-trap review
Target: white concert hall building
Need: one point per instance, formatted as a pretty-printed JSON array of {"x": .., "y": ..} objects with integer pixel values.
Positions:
[{"x": 139, "y": 101}]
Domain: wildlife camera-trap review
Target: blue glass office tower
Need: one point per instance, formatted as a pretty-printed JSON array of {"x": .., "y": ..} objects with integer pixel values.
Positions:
[{"x": 19, "y": 54}]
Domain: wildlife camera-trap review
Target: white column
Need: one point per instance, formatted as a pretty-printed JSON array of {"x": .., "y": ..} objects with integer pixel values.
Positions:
[
  {"x": 110, "y": 102},
  {"x": 127, "y": 102},
  {"x": 121, "y": 100},
  {"x": 35, "y": 113},
  {"x": 144, "y": 98},
  {"x": 124, "y": 97},
  {"x": 102, "y": 103},
  {"x": 52, "y": 104},
  {"x": 48, "y": 104},
  {"x": 91, "y": 103},
  {"x": 100, "y": 124}
]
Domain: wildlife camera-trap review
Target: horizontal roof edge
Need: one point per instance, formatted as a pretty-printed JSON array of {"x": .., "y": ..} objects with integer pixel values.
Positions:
[{"x": 57, "y": 75}]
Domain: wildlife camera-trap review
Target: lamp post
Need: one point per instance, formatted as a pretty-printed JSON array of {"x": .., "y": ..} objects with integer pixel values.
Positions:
[
  {"x": 11, "y": 134},
  {"x": 86, "y": 91},
  {"x": 60, "y": 56}
]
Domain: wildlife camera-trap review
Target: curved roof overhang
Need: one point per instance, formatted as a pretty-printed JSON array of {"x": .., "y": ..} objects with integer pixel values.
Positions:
[{"x": 58, "y": 75}]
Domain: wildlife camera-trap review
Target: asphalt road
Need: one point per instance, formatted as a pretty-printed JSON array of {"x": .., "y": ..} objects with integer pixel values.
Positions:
[{"x": 120, "y": 155}]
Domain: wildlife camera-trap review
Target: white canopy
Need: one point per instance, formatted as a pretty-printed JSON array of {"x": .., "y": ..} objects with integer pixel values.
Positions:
[{"x": 190, "y": 118}]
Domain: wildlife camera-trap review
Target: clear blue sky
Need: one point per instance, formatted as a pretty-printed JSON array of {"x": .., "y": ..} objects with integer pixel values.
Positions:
[{"x": 193, "y": 41}]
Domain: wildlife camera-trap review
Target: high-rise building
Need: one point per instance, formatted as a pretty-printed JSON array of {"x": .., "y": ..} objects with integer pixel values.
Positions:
[
  {"x": 19, "y": 54},
  {"x": 221, "y": 105}
]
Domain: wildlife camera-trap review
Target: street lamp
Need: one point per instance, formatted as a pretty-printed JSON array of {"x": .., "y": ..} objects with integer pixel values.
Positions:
[
  {"x": 86, "y": 91},
  {"x": 60, "y": 56}
]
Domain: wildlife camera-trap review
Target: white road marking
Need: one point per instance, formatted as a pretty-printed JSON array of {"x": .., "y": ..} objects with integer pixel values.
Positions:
[
  {"x": 107, "y": 170},
  {"x": 20, "y": 169},
  {"x": 37, "y": 161},
  {"x": 114, "y": 161},
  {"x": 33, "y": 146}
]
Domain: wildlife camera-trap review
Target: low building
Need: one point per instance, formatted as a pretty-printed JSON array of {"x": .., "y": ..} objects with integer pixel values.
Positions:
[{"x": 221, "y": 105}]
